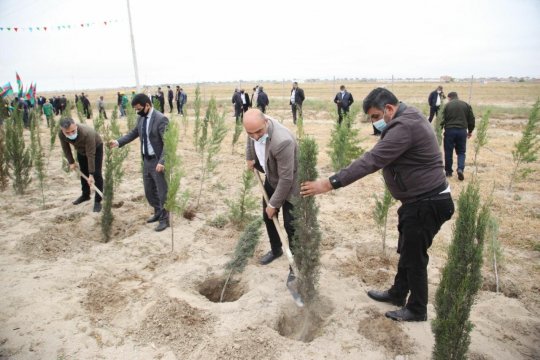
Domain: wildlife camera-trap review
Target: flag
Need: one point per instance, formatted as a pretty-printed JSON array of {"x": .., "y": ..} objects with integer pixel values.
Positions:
[
  {"x": 30, "y": 94},
  {"x": 19, "y": 84},
  {"x": 6, "y": 90}
]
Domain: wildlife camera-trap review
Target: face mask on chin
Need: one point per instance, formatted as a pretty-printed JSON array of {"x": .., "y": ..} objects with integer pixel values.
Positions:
[{"x": 142, "y": 112}]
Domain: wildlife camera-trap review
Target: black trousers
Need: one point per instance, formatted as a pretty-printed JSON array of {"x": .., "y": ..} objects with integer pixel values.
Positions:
[
  {"x": 286, "y": 209},
  {"x": 98, "y": 176},
  {"x": 171, "y": 104},
  {"x": 238, "y": 114},
  {"x": 418, "y": 223},
  {"x": 155, "y": 187},
  {"x": 103, "y": 112},
  {"x": 341, "y": 111},
  {"x": 433, "y": 110},
  {"x": 294, "y": 108},
  {"x": 262, "y": 108}
]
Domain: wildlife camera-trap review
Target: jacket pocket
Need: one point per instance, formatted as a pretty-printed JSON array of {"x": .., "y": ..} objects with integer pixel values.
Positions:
[{"x": 399, "y": 182}]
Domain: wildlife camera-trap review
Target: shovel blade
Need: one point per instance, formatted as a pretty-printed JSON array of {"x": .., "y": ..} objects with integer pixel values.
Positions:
[{"x": 292, "y": 285}]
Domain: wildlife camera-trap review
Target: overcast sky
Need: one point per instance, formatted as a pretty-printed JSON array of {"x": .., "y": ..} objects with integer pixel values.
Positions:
[{"x": 203, "y": 40}]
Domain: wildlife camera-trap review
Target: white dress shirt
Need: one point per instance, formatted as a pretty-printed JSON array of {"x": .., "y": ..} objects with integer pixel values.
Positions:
[{"x": 148, "y": 143}]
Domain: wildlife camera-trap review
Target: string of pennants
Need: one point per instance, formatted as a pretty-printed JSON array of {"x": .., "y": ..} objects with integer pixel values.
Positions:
[{"x": 57, "y": 27}]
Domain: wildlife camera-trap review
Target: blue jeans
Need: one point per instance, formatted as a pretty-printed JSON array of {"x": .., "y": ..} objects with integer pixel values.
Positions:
[{"x": 454, "y": 138}]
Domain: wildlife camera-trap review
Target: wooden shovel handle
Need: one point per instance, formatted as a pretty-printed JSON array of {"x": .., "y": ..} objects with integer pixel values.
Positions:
[{"x": 93, "y": 185}]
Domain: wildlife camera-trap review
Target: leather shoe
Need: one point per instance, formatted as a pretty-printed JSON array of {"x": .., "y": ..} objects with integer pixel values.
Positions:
[
  {"x": 97, "y": 207},
  {"x": 460, "y": 175},
  {"x": 163, "y": 224},
  {"x": 153, "y": 218},
  {"x": 81, "y": 199},
  {"x": 385, "y": 296},
  {"x": 405, "y": 314},
  {"x": 269, "y": 257}
]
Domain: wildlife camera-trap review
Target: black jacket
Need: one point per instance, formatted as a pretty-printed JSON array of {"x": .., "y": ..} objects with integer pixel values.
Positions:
[
  {"x": 344, "y": 100},
  {"x": 298, "y": 96},
  {"x": 458, "y": 115},
  {"x": 432, "y": 99},
  {"x": 262, "y": 99}
]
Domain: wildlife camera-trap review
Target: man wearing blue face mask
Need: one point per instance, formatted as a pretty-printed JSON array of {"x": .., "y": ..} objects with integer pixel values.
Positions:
[
  {"x": 89, "y": 148},
  {"x": 272, "y": 149},
  {"x": 412, "y": 166}
]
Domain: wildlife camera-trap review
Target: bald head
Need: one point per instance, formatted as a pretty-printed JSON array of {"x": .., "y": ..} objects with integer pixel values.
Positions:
[{"x": 255, "y": 123}]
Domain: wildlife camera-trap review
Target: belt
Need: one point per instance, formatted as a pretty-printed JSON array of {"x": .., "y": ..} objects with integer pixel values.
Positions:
[
  {"x": 438, "y": 197},
  {"x": 149, "y": 157}
]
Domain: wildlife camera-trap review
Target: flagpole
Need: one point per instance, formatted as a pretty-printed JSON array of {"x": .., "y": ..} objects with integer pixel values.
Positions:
[{"x": 135, "y": 67}]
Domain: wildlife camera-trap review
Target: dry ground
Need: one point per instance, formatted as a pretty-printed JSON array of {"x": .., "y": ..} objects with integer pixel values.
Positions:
[{"x": 66, "y": 295}]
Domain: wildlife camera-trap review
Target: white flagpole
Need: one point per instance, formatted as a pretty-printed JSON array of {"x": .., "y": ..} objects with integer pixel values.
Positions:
[{"x": 135, "y": 67}]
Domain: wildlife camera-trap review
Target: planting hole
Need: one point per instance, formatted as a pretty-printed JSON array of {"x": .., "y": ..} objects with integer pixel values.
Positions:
[
  {"x": 304, "y": 324},
  {"x": 212, "y": 288}
]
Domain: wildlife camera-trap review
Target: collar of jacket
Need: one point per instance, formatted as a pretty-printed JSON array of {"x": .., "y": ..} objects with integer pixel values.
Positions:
[
  {"x": 270, "y": 127},
  {"x": 402, "y": 107}
]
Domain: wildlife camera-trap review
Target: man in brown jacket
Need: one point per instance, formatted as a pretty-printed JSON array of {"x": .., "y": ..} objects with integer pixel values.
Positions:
[
  {"x": 272, "y": 149},
  {"x": 89, "y": 147},
  {"x": 412, "y": 167}
]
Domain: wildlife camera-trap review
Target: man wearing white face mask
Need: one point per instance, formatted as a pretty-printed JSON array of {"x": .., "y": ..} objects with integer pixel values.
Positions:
[
  {"x": 412, "y": 167},
  {"x": 89, "y": 148},
  {"x": 272, "y": 149}
]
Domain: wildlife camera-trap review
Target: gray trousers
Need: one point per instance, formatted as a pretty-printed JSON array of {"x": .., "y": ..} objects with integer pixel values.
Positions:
[{"x": 155, "y": 187}]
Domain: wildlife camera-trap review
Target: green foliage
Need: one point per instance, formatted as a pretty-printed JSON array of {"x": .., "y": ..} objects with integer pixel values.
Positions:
[
  {"x": 461, "y": 277},
  {"x": 54, "y": 129},
  {"x": 197, "y": 104},
  {"x": 18, "y": 155},
  {"x": 238, "y": 127},
  {"x": 494, "y": 249},
  {"x": 481, "y": 138},
  {"x": 344, "y": 143},
  {"x": 219, "y": 222},
  {"x": 526, "y": 149},
  {"x": 131, "y": 117},
  {"x": 307, "y": 236},
  {"x": 66, "y": 113},
  {"x": 300, "y": 126},
  {"x": 380, "y": 214},
  {"x": 245, "y": 247},
  {"x": 240, "y": 211},
  {"x": 37, "y": 152},
  {"x": 99, "y": 123},
  {"x": 4, "y": 166},
  {"x": 173, "y": 175},
  {"x": 156, "y": 104},
  {"x": 80, "y": 111},
  {"x": 211, "y": 135},
  {"x": 439, "y": 123},
  {"x": 121, "y": 154}
]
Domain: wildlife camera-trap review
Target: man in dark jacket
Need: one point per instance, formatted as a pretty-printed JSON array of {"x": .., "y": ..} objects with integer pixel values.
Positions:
[
  {"x": 89, "y": 148},
  {"x": 170, "y": 96},
  {"x": 238, "y": 105},
  {"x": 343, "y": 100},
  {"x": 435, "y": 100},
  {"x": 458, "y": 123},
  {"x": 246, "y": 102},
  {"x": 412, "y": 167},
  {"x": 296, "y": 100},
  {"x": 262, "y": 100}
]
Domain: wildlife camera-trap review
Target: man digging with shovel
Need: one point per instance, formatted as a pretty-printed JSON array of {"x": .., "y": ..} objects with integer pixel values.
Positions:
[{"x": 272, "y": 149}]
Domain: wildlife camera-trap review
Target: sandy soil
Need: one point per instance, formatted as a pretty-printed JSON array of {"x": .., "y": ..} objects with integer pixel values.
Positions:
[{"x": 67, "y": 295}]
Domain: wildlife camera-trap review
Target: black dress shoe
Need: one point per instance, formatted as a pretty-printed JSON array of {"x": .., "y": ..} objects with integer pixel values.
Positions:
[
  {"x": 460, "y": 175},
  {"x": 81, "y": 199},
  {"x": 163, "y": 224},
  {"x": 97, "y": 207},
  {"x": 385, "y": 296},
  {"x": 269, "y": 257},
  {"x": 153, "y": 218},
  {"x": 405, "y": 314}
]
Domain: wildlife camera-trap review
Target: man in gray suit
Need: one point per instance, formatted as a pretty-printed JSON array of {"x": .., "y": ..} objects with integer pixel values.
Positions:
[
  {"x": 151, "y": 126},
  {"x": 271, "y": 148}
]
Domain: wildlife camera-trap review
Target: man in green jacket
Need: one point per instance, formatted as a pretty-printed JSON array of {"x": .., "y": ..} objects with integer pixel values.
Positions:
[
  {"x": 48, "y": 111},
  {"x": 458, "y": 124}
]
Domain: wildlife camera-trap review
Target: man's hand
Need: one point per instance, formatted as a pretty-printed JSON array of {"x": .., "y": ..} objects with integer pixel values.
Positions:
[
  {"x": 310, "y": 188},
  {"x": 250, "y": 164},
  {"x": 469, "y": 135},
  {"x": 270, "y": 212},
  {"x": 72, "y": 167},
  {"x": 91, "y": 181},
  {"x": 160, "y": 168},
  {"x": 113, "y": 144}
]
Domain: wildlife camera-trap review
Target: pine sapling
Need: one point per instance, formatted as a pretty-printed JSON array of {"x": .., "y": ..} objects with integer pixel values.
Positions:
[
  {"x": 438, "y": 125},
  {"x": 197, "y": 104},
  {"x": 380, "y": 214},
  {"x": 494, "y": 250},
  {"x": 37, "y": 153},
  {"x": 344, "y": 143},
  {"x": 461, "y": 277},
  {"x": 4, "y": 165},
  {"x": 99, "y": 123},
  {"x": 238, "y": 127},
  {"x": 526, "y": 149},
  {"x": 131, "y": 117},
  {"x": 120, "y": 154},
  {"x": 54, "y": 129},
  {"x": 211, "y": 135},
  {"x": 173, "y": 175},
  {"x": 245, "y": 248},
  {"x": 300, "y": 126},
  {"x": 307, "y": 235},
  {"x": 19, "y": 156},
  {"x": 481, "y": 138},
  {"x": 240, "y": 210},
  {"x": 107, "y": 216},
  {"x": 80, "y": 111}
]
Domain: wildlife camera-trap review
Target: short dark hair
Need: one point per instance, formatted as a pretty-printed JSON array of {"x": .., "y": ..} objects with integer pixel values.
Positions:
[
  {"x": 66, "y": 122},
  {"x": 379, "y": 98},
  {"x": 342, "y": 87},
  {"x": 452, "y": 95},
  {"x": 141, "y": 99}
]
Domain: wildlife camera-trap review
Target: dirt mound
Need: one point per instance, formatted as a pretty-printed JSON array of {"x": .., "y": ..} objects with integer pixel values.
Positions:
[
  {"x": 174, "y": 323},
  {"x": 373, "y": 269},
  {"x": 304, "y": 324},
  {"x": 212, "y": 288},
  {"x": 386, "y": 333}
]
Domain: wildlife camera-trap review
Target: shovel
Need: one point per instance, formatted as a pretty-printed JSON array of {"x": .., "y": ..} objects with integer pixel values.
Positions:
[
  {"x": 93, "y": 185},
  {"x": 292, "y": 283}
]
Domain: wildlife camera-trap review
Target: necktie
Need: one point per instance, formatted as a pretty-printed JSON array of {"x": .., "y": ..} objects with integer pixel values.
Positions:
[{"x": 145, "y": 136}]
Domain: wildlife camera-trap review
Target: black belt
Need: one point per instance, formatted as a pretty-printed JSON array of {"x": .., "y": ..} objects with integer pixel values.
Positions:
[
  {"x": 149, "y": 157},
  {"x": 430, "y": 195},
  {"x": 438, "y": 197}
]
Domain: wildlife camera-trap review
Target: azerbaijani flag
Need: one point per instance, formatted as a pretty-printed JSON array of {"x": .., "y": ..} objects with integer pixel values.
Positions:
[
  {"x": 6, "y": 90},
  {"x": 30, "y": 94},
  {"x": 19, "y": 84}
]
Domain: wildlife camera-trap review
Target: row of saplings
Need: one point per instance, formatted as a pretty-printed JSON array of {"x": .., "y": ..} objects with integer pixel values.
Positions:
[{"x": 461, "y": 277}]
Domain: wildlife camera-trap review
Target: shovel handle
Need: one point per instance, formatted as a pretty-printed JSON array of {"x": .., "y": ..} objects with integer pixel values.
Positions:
[
  {"x": 281, "y": 232},
  {"x": 93, "y": 185}
]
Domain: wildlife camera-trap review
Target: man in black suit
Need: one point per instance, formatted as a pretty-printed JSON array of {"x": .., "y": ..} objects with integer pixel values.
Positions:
[
  {"x": 343, "y": 100},
  {"x": 435, "y": 100},
  {"x": 246, "y": 102},
  {"x": 86, "y": 105},
  {"x": 296, "y": 100},
  {"x": 151, "y": 126},
  {"x": 262, "y": 100},
  {"x": 237, "y": 104},
  {"x": 161, "y": 98},
  {"x": 170, "y": 97}
]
